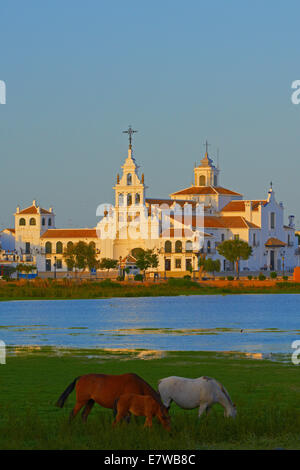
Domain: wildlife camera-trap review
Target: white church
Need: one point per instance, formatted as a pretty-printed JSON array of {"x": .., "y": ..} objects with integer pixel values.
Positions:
[{"x": 191, "y": 221}]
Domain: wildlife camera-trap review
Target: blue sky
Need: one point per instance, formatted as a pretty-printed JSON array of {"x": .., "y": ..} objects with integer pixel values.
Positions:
[{"x": 78, "y": 73}]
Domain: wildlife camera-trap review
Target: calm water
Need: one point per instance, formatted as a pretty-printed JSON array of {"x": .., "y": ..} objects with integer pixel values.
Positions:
[{"x": 269, "y": 322}]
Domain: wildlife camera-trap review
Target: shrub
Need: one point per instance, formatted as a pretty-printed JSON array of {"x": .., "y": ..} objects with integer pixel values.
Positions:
[
  {"x": 273, "y": 275},
  {"x": 249, "y": 277},
  {"x": 261, "y": 277},
  {"x": 109, "y": 283},
  {"x": 222, "y": 278},
  {"x": 230, "y": 278},
  {"x": 120, "y": 278},
  {"x": 175, "y": 282},
  {"x": 187, "y": 276},
  {"x": 285, "y": 278},
  {"x": 138, "y": 277}
]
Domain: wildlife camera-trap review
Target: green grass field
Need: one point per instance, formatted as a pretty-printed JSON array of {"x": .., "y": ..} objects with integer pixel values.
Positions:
[
  {"x": 267, "y": 395},
  {"x": 66, "y": 289}
]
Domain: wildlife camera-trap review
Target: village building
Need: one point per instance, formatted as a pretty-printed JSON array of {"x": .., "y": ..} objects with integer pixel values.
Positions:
[{"x": 192, "y": 221}]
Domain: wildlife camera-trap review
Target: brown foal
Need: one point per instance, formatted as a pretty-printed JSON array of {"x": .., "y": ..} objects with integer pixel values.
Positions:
[{"x": 142, "y": 405}]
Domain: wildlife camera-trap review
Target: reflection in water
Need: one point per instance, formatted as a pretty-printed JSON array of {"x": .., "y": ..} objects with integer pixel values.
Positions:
[{"x": 255, "y": 324}]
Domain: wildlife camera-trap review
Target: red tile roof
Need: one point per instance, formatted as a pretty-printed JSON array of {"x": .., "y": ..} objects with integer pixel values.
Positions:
[
  {"x": 275, "y": 243},
  {"x": 34, "y": 210},
  {"x": 239, "y": 206},
  {"x": 196, "y": 190},
  {"x": 217, "y": 222},
  {"x": 70, "y": 233},
  {"x": 237, "y": 222},
  {"x": 129, "y": 259}
]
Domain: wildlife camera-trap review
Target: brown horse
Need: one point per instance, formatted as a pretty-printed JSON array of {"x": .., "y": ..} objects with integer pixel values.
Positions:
[
  {"x": 142, "y": 405},
  {"x": 105, "y": 390}
]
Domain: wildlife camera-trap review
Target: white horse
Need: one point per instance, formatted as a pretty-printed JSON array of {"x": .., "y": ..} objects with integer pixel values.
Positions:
[{"x": 191, "y": 393}]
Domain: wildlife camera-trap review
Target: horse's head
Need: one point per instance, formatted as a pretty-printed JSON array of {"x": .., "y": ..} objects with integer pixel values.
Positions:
[
  {"x": 230, "y": 412},
  {"x": 164, "y": 417}
]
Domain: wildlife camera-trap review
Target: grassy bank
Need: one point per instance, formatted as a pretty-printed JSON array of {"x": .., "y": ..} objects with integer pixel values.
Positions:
[
  {"x": 266, "y": 394},
  {"x": 67, "y": 289}
]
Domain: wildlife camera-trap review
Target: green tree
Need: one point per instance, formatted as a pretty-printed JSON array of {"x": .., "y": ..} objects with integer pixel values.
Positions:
[
  {"x": 108, "y": 263},
  {"x": 25, "y": 268},
  {"x": 135, "y": 252},
  {"x": 81, "y": 256},
  {"x": 234, "y": 251},
  {"x": 209, "y": 265},
  {"x": 80, "y": 250},
  {"x": 146, "y": 259},
  {"x": 20, "y": 268},
  {"x": 201, "y": 263},
  {"x": 91, "y": 257},
  {"x": 9, "y": 270},
  {"x": 69, "y": 256}
]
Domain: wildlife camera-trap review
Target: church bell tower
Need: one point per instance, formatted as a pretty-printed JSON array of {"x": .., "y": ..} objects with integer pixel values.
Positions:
[{"x": 206, "y": 174}]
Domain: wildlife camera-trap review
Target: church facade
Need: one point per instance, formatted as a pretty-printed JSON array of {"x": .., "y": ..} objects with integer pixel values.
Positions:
[{"x": 191, "y": 221}]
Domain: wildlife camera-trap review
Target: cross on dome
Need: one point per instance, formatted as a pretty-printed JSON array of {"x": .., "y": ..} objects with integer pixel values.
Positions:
[{"x": 130, "y": 132}]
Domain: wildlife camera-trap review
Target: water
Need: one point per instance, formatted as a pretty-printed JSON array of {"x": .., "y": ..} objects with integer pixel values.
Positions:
[{"x": 205, "y": 323}]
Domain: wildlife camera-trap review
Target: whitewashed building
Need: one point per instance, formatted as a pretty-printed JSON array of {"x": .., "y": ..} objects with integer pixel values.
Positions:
[{"x": 178, "y": 228}]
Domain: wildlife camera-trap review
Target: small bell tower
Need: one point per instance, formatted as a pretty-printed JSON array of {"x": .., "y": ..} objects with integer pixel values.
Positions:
[
  {"x": 130, "y": 189},
  {"x": 206, "y": 174}
]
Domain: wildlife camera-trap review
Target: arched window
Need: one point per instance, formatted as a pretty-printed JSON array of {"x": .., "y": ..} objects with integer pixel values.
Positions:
[
  {"x": 49, "y": 222},
  {"x": 59, "y": 247},
  {"x": 129, "y": 199},
  {"x": 202, "y": 180},
  {"x": 48, "y": 247},
  {"x": 121, "y": 199},
  {"x": 189, "y": 246},
  {"x": 178, "y": 246},
  {"x": 208, "y": 246},
  {"x": 43, "y": 221},
  {"x": 272, "y": 220},
  {"x": 215, "y": 180},
  {"x": 32, "y": 221},
  {"x": 22, "y": 221},
  {"x": 137, "y": 198},
  {"x": 168, "y": 247},
  {"x": 70, "y": 245},
  {"x": 129, "y": 179}
]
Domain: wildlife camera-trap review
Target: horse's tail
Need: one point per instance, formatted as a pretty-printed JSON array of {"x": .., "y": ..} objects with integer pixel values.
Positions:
[{"x": 61, "y": 401}]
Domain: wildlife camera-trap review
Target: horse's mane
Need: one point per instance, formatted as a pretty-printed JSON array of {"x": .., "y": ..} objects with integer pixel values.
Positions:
[
  {"x": 225, "y": 393},
  {"x": 223, "y": 389},
  {"x": 154, "y": 393}
]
